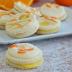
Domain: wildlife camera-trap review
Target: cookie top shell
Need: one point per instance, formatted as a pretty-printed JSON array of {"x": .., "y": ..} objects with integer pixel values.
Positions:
[
  {"x": 23, "y": 50},
  {"x": 52, "y": 10}
]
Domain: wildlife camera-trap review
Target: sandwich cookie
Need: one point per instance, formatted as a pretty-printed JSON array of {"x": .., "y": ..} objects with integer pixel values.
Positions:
[
  {"x": 24, "y": 56},
  {"x": 48, "y": 25},
  {"x": 19, "y": 7},
  {"x": 25, "y": 25},
  {"x": 53, "y": 10}
]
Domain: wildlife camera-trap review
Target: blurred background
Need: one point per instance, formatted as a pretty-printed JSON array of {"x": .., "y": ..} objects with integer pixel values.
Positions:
[
  {"x": 40, "y": 2},
  {"x": 8, "y": 4}
]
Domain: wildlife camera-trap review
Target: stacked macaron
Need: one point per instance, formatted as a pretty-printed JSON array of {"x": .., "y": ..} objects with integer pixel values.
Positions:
[
  {"x": 19, "y": 7},
  {"x": 53, "y": 10},
  {"x": 25, "y": 25},
  {"x": 48, "y": 25},
  {"x": 5, "y": 16},
  {"x": 24, "y": 56}
]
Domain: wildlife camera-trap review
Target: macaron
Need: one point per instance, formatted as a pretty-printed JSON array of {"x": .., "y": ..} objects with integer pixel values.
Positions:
[
  {"x": 53, "y": 10},
  {"x": 26, "y": 24},
  {"x": 20, "y": 7},
  {"x": 24, "y": 56},
  {"x": 5, "y": 16},
  {"x": 48, "y": 25}
]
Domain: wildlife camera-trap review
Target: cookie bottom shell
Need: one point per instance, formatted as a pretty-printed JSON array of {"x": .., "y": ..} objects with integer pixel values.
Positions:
[
  {"x": 48, "y": 31},
  {"x": 25, "y": 66}
]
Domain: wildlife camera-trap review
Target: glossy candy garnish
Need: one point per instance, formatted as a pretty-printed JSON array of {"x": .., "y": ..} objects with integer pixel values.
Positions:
[
  {"x": 13, "y": 46},
  {"x": 49, "y": 18},
  {"x": 18, "y": 25},
  {"x": 24, "y": 50},
  {"x": 15, "y": 24}
]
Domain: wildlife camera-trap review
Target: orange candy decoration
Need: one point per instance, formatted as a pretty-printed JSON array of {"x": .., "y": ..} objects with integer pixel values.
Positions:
[
  {"x": 13, "y": 46},
  {"x": 23, "y": 50},
  {"x": 64, "y": 2}
]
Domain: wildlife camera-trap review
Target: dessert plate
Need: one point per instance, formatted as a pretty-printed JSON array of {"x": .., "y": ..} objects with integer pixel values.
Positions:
[{"x": 66, "y": 29}]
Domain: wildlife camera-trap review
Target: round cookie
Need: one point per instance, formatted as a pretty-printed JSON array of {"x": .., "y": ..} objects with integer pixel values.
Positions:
[
  {"x": 24, "y": 56},
  {"x": 25, "y": 25},
  {"x": 48, "y": 25},
  {"x": 19, "y": 7},
  {"x": 5, "y": 16},
  {"x": 53, "y": 10}
]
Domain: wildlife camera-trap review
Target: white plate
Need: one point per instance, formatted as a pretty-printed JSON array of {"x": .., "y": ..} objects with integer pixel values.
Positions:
[{"x": 66, "y": 29}]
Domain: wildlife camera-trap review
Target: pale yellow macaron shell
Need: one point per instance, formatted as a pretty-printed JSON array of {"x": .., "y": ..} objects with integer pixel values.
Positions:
[
  {"x": 26, "y": 25},
  {"x": 25, "y": 66},
  {"x": 53, "y": 10},
  {"x": 34, "y": 51},
  {"x": 29, "y": 57},
  {"x": 48, "y": 25}
]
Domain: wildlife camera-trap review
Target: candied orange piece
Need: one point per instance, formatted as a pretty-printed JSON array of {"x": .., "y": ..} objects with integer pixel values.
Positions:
[{"x": 12, "y": 46}]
